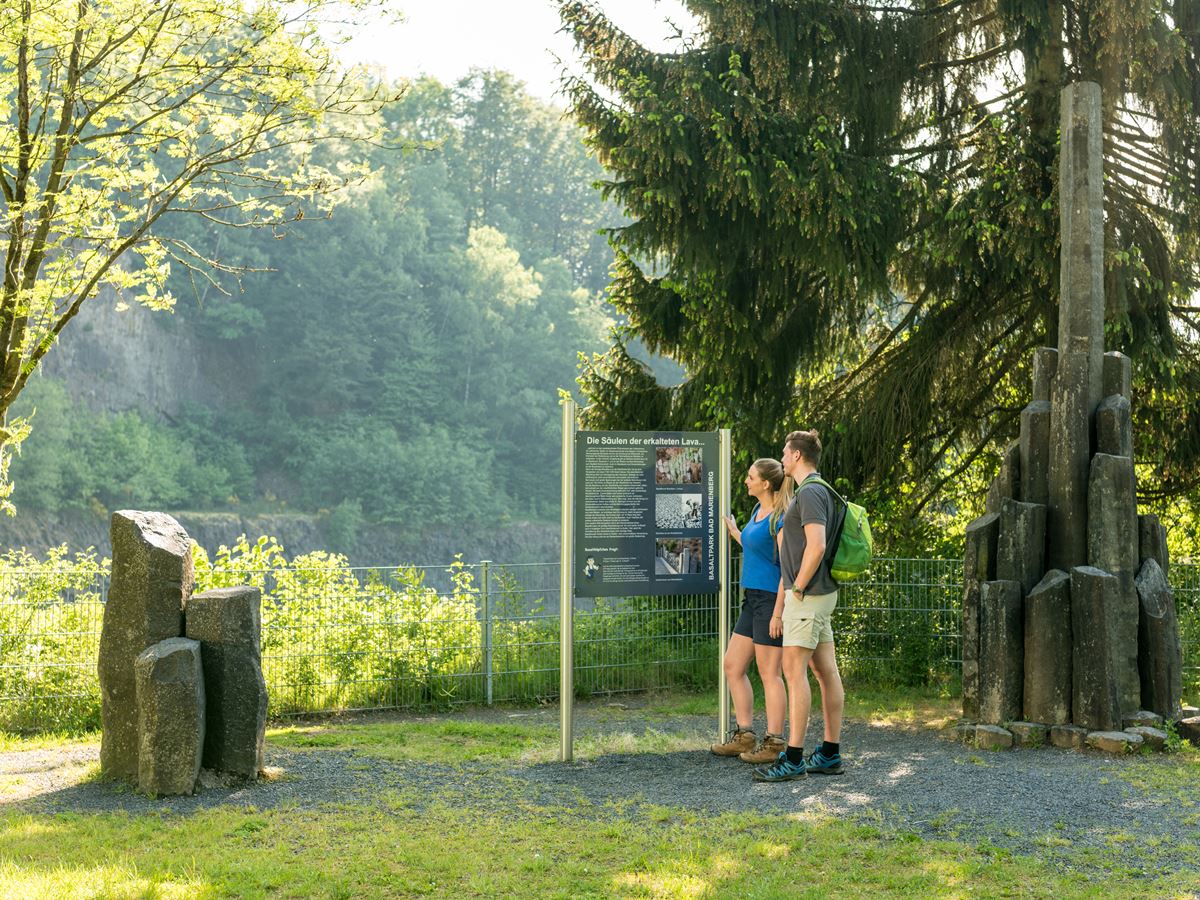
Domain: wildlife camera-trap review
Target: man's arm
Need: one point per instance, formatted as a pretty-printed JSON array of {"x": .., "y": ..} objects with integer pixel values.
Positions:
[
  {"x": 775, "y": 629},
  {"x": 814, "y": 552}
]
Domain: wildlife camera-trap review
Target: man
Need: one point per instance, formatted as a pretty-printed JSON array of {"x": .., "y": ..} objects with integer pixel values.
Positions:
[{"x": 803, "y": 607}]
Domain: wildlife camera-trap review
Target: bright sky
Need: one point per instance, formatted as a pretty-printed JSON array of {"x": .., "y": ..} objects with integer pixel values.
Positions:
[{"x": 446, "y": 38}]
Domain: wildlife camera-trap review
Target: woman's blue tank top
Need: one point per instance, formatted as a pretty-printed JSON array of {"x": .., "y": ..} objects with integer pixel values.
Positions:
[{"x": 760, "y": 562}]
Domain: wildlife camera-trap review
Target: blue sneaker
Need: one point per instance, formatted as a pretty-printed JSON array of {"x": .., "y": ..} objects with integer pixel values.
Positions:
[
  {"x": 821, "y": 764},
  {"x": 781, "y": 770}
]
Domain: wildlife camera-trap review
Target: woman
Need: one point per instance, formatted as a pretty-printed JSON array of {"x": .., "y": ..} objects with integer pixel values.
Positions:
[{"x": 751, "y": 638}]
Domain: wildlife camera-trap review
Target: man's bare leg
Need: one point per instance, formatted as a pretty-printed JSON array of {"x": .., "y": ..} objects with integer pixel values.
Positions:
[
  {"x": 795, "y": 670},
  {"x": 833, "y": 696}
]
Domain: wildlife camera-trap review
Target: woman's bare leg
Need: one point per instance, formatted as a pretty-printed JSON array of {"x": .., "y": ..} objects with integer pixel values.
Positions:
[
  {"x": 738, "y": 654},
  {"x": 770, "y": 667}
]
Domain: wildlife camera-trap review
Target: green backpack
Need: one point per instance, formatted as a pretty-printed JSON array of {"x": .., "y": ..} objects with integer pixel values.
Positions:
[{"x": 849, "y": 552}]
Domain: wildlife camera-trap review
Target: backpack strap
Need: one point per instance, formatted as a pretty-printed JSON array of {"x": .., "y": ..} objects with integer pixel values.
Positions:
[{"x": 832, "y": 541}]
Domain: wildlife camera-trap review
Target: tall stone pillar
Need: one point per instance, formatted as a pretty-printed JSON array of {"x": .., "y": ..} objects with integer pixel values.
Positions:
[
  {"x": 1048, "y": 649},
  {"x": 1095, "y": 697},
  {"x": 151, "y": 581},
  {"x": 1078, "y": 383},
  {"x": 1001, "y": 651},
  {"x": 1045, "y": 364},
  {"x": 1081, "y": 222},
  {"x": 1113, "y": 548},
  {"x": 228, "y": 623},
  {"x": 1035, "y": 452},
  {"x": 979, "y": 566}
]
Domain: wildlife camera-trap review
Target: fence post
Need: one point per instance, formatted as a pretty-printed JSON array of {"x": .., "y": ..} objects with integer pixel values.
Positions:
[{"x": 484, "y": 564}]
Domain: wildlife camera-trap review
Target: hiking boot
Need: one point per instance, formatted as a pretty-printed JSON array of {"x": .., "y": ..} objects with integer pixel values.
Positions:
[
  {"x": 783, "y": 770},
  {"x": 821, "y": 764},
  {"x": 739, "y": 742},
  {"x": 767, "y": 751}
]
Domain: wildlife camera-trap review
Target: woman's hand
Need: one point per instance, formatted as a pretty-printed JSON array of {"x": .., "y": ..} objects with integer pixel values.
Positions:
[
  {"x": 734, "y": 531},
  {"x": 776, "y": 629}
]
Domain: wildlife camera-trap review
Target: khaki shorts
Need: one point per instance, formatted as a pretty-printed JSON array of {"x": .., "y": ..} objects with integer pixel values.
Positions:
[{"x": 808, "y": 622}]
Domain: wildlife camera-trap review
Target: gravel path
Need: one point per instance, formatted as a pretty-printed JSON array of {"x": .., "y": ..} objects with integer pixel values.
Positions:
[{"x": 1052, "y": 803}]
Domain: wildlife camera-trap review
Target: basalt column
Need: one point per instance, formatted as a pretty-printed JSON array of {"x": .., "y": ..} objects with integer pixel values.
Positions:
[
  {"x": 150, "y": 585},
  {"x": 1068, "y": 619}
]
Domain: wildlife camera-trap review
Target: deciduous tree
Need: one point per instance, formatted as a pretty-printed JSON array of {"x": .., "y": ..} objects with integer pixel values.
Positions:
[{"x": 120, "y": 114}]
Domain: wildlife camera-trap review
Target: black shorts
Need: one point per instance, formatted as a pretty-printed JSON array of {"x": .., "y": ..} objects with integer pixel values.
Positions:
[{"x": 755, "y": 620}]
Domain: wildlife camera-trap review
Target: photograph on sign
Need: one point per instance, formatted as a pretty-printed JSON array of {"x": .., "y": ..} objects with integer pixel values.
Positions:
[{"x": 645, "y": 520}]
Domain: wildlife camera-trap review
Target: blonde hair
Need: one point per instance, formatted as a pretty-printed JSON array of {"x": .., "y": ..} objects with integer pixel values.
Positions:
[{"x": 771, "y": 471}]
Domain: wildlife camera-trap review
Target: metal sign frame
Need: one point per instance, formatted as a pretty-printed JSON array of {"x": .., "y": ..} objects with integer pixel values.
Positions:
[{"x": 566, "y": 582}]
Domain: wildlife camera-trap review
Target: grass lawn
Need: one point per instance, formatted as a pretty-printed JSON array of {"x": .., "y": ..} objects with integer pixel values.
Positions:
[{"x": 401, "y": 842}]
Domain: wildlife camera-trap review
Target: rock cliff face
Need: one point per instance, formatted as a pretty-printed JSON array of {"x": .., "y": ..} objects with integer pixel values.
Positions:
[{"x": 112, "y": 360}]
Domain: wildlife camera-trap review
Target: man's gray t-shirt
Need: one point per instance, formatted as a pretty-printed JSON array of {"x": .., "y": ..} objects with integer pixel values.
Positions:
[{"x": 812, "y": 503}]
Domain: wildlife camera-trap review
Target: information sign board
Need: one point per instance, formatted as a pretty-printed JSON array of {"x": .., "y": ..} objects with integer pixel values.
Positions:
[{"x": 646, "y": 513}]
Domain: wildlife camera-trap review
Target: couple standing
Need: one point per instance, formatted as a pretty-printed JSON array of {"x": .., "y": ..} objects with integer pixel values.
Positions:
[{"x": 785, "y": 625}]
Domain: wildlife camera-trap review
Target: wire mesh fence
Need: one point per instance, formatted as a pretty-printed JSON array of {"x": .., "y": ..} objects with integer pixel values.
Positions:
[{"x": 338, "y": 638}]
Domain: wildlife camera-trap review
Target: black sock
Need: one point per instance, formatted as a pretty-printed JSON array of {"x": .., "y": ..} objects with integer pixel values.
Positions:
[
  {"x": 829, "y": 749},
  {"x": 795, "y": 754}
]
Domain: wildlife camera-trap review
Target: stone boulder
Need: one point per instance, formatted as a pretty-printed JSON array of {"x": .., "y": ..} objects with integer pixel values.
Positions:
[
  {"x": 228, "y": 624},
  {"x": 1189, "y": 730},
  {"x": 1028, "y": 734},
  {"x": 151, "y": 581},
  {"x": 1154, "y": 738},
  {"x": 1069, "y": 737},
  {"x": 170, "y": 704},
  {"x": 1143, "y": 717},
  {"x": 1114, "y": 741},
  {"x": 993, "y": 737}
]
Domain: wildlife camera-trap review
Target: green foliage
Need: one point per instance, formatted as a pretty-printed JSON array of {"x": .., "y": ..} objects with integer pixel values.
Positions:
[
  {"x": 50, "y": 615},
  {"x": 80, "y": 460}
]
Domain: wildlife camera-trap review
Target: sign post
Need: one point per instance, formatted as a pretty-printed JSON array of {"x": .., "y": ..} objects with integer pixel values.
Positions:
[
  {"x": 723, "y": 594},
  {"x": 566, "y": 590}
]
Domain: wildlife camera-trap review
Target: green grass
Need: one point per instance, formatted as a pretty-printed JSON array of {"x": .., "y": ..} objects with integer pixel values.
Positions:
[
  {"x": 456, "y": 741},
  {"x": 1177, "y": 775},
  {"x": 403, "y": 845},
  {"x": 45, "y": 740}
]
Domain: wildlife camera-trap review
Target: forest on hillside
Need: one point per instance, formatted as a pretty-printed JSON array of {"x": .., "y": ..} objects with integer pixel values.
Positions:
[{"x": 397, "y": 359}]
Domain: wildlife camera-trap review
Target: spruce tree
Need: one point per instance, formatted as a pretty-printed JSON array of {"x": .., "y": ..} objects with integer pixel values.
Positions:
[{"x": 845, "y": 214}]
